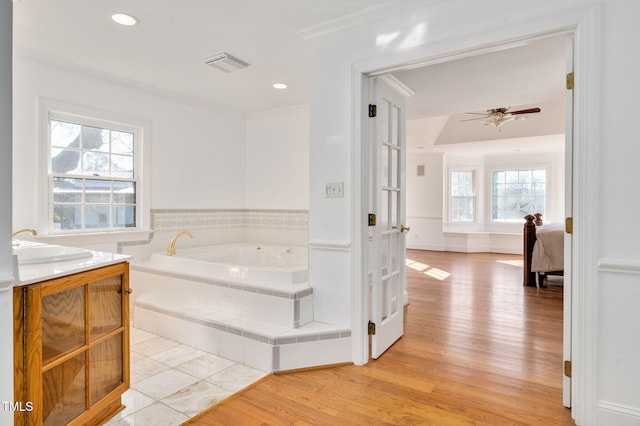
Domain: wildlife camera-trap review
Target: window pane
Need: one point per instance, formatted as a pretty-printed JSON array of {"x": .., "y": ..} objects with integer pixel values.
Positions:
[
  {"x": 95, "y": 163},
  {"x": 97, "y": 216},
  {"x": 461, "y": 192},
  {"x": 124, "y": 192},
  {"x": 97, "y": 191},
  {"x": 124, "y": 216},
  {"x": 67, "y": 190},
  {"x": 65, "y": 134},
  {"x": 67, "y": 217},
  {"x": 122, "y": 166},
  {"x": 95, "y": 139},
  {"x": 122, "y": 143},
  {"x": 65, "y": 161},
  {"x": 524, "y": 192},
  {"x": 92, "y": 151}
]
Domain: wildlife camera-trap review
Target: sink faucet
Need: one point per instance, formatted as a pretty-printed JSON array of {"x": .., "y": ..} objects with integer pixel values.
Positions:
[
  {"x": 29, "y": 230},
  {"x": 171, "y": 250},
  {"x": 15, "y": 243}
]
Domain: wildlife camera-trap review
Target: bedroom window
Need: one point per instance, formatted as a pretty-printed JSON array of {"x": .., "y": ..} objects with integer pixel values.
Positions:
[
  {"x": 462, "y": 196},
  {"x": 517, "y": 193},
  {"x": 93, "y": 175}
]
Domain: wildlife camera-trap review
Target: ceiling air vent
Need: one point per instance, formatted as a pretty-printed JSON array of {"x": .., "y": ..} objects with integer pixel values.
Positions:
[{"x": 225, "y": 62}]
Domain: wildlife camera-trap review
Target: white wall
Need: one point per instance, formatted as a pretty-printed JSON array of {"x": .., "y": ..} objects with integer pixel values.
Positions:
[
  {"x": 197, "y": 151},
  {"x": 425, "y": 201},
  {"x": 606, "y": 345},
  {"x": 6, "y": 265},
  {"x": 277, "y": 159}
]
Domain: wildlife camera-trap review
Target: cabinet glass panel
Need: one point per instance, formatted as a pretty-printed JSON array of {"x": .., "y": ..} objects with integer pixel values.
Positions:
[
  {"x": 106, "y": 306},
  {"x": 105, "y": 360},
  {"x": 63, "y": 323},
  {"x": 63, "y": 391}
]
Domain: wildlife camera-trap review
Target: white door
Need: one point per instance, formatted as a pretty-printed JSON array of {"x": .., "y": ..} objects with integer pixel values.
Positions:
[
  {"x": 568, "y": 210},
  {"x": 387, "y": 201}
]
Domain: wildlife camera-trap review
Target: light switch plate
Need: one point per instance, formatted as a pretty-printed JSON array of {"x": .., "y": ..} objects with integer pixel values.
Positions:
[{"x": 334, "y": 190}]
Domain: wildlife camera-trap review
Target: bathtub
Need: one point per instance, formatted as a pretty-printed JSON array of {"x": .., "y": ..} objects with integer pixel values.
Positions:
[{"x": 250, "y": 263}]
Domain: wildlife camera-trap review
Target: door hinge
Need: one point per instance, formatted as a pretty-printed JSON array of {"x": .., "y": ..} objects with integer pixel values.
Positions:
[
  {"x": 570, "y": 81},
  {"x": 373, "y": 110},
  {"x": 371, "y": 328},
  {"x": 372, "y": 219},
  {"x": 567, "y": 368},
  {"x": 568, "y": 225}
]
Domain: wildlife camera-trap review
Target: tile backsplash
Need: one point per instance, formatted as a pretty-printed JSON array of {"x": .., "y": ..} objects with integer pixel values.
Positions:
[{"x": 195, "y": 219}]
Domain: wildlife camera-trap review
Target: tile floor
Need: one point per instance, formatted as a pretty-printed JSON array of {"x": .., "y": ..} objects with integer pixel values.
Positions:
[{"x": 171, "y": 382}]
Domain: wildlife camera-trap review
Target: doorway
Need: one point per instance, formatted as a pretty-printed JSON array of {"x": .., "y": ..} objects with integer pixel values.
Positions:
[{"x": 568, "y": 191}]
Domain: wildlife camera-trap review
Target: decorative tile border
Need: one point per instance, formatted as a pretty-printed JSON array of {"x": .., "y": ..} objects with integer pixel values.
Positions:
[
  {"x": 203, "y": 219},
  {"x": 174, "y": 219}
]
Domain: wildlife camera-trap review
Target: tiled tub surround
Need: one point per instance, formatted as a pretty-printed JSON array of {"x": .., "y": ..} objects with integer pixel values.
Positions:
[
  {"x": 269, "y": 328},
  {"x": 215, "y": 226}
]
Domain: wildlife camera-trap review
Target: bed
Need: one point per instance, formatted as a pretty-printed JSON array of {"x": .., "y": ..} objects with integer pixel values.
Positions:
[{"x": 543, "y": 250}]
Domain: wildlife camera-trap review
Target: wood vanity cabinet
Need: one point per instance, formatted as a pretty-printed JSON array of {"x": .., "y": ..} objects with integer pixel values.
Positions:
[{"x": 71, "y": 347}]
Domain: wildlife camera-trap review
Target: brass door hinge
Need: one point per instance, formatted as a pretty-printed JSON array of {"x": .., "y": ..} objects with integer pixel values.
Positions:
[
  {"x": 568, "y": 225},
  {"x": 373, "y": 110},
  {"x": 372, "y": 219},
  {"x": 371, "y": 328},
  {"x": 567, "y": 368},
  {"x": 570, "y": 81}
]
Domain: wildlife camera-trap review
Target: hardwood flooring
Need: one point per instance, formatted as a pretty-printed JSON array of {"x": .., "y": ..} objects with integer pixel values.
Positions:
[{"x": 478, "y": 349}]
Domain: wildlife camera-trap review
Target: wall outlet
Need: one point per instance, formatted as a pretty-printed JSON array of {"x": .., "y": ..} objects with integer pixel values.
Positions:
[{"x": 334, "y": 190}]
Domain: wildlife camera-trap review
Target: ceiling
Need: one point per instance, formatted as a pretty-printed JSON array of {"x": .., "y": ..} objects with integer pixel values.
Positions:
[{"x": 166, "y": 51}]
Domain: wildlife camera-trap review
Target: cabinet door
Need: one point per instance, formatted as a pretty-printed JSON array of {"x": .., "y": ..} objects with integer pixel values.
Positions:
[
  {"x": 107, "y": 349},
  {"x": 73, "y": 339}
]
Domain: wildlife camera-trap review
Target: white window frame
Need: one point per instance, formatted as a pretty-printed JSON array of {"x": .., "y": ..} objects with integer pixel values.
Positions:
[
  {"x": 518, "y": 169},
  {"x": 474, "y": 197},
  {"x": 58, "y": 110}
]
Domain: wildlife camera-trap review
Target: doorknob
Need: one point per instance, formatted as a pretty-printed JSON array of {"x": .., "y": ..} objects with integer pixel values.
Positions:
[{"x": 404, "y": 228}]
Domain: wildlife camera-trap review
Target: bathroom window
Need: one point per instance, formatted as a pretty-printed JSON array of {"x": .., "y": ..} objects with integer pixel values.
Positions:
[{"x": 93, "y": 175}]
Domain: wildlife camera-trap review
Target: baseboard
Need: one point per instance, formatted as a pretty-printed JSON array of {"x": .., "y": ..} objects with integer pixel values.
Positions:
[
  {"x": 610, "y": 413},
  {"x": 425, "y": 247}
]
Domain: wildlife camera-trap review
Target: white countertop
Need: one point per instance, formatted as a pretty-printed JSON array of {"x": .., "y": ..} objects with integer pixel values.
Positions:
[{"x": 33, "y": 273}]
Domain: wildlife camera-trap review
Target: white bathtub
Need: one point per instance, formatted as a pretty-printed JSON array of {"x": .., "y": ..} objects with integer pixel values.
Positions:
[{"x": 248, "y": 263}]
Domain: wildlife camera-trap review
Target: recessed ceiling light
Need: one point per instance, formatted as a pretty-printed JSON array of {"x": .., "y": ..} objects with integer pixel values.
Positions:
[
  {"x": 280, "y": 86},
  {"x": 124, "y": 19}
]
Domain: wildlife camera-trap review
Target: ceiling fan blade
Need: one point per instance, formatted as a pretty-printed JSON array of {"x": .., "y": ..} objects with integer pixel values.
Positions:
[
  {"x": 525, "y": 111},
  {"x": 477, "y": 113},
  {"x": 472, "y": 119}
]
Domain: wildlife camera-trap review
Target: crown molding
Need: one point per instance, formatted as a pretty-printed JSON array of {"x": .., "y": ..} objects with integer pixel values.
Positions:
[
  {"x": 365, "y": 16},
  {"x": 278, "y": 112},
  {"x": 138, "y": 86}
]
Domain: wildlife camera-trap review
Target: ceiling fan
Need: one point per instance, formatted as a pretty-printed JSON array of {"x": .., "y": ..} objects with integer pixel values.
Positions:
[{"x": 498, "y": 116}]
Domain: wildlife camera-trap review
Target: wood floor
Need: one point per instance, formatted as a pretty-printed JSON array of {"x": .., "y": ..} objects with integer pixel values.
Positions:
[{"x": 479, "y": 348}]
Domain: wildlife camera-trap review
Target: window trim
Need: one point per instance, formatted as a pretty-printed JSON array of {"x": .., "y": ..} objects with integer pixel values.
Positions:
[
  {"x": 546, "y": 168},
  {"x": 474, "y": 197},
  {"x": 52, "y": 109}
]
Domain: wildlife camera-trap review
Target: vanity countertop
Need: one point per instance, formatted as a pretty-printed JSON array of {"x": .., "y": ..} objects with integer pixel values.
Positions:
[{"x": 36, "y": 271}]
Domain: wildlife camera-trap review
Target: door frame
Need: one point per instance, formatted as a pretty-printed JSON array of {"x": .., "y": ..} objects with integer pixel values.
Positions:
[{"x": 584, "y": 25}]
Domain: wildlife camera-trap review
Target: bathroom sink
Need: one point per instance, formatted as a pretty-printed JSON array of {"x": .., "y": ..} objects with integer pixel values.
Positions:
[{"x": 34, "y": 254}]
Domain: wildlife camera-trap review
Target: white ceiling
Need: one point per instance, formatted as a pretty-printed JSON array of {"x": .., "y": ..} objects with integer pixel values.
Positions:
[
  {"x": 167, "y": 48},
  {"x": 166, "y": 51}
]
